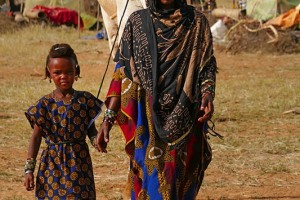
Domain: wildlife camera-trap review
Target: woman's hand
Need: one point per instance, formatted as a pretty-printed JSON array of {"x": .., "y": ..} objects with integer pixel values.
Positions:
[
  {"x": 29, "y": 181},
  {"x": 103, "y": 137},
  {"x": 207, "y": 108}
]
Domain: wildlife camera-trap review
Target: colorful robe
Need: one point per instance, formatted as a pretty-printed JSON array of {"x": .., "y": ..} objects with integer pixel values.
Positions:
[{"x": 165, "y": 65}]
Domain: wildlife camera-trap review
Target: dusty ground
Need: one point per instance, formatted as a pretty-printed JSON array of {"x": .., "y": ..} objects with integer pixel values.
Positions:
[
  {"x": 258, "y": 159},
  {"x": 242, "y": 180}
]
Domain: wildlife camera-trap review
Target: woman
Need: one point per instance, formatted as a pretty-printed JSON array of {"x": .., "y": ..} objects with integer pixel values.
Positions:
[{"x": 161, "y": 95}]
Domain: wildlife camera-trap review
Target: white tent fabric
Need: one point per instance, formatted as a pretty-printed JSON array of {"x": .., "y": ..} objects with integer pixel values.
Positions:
[
  {"x": 112, "y": 11},
  {"x": 268, "y": 9}
]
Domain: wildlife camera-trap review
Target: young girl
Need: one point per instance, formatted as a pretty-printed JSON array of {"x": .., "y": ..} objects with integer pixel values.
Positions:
[{"x": 63, "y": 118}]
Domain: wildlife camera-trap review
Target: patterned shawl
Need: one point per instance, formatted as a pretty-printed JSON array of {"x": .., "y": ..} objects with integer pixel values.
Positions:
[{"x": 165, "y": 52}]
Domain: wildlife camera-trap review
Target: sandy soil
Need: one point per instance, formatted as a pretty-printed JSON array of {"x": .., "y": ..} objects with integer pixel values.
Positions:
[{"x": 248, "y": 183}]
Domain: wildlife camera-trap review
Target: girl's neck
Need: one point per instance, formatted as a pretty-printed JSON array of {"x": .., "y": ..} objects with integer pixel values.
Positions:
[{"x": 63, "y": 94}]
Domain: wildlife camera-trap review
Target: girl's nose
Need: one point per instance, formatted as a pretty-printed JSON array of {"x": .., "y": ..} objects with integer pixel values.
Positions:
[{"x": 63, "y": 75}]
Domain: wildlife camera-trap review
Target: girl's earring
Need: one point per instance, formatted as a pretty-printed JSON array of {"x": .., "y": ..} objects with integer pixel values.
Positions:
[
  {"x": 76, "y": 78},
  {"x": 49, "y": 80}
]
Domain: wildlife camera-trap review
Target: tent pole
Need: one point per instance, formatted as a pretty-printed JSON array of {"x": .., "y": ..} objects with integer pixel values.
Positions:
[
  {"x": 21, "y": 8},
  {"x": 78, "y": 25},
  {"x": 98, "y": 13}
]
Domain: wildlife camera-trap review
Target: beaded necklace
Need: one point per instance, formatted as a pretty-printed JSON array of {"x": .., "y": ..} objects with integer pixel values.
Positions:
[{"x": 65, "y": 98}]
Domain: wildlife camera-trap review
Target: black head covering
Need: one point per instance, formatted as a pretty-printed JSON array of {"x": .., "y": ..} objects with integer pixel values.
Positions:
[{"x": 155, "y": 5}]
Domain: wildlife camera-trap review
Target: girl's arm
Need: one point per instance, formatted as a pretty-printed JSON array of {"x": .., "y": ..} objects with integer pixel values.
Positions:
[
  {"x": 102, "y": 139},
  {"x": 92, "y": 133},
  {"x": 34, "y": 146}
]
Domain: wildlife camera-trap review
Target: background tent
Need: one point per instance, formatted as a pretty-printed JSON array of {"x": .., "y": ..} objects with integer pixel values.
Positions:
[
  {"x": 225, "y": 3},
  {"x": 86, "y": 6},
  {"x": 268, "y": 9},
  {"x": 71, "y": 4}
]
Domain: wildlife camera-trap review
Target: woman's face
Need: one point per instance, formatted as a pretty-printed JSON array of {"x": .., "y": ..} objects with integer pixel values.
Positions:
[{"x": 167, "y": 4}]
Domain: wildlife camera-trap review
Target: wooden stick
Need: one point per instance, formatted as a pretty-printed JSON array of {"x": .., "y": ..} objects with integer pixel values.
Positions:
[
  {"x": 98, "y": 13},
  {"x": 78, "y": 25}
]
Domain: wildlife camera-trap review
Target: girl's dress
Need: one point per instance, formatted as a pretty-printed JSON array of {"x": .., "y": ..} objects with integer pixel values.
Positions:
[{"x": 65, "y": 170}]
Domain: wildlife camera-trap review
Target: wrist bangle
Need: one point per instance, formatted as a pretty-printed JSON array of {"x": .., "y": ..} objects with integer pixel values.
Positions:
[
  {"x": 28, "y": 171},
  {"x": 110, "y": 113},
  {"x": 30, "y": 165},
  {"x": 92, "y": 140}
]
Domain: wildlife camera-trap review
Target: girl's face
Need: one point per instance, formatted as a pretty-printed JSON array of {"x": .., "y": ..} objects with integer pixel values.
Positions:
[
  {"x": 167, "y": 4},
  {"x": 62, "y": 72}
]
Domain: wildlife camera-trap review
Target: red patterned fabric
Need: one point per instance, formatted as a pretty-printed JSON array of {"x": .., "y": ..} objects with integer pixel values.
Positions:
[{"x": 60, "y": 16}]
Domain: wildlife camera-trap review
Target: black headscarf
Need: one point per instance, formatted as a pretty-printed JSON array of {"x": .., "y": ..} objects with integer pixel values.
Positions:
[{"x": 155, "y": 5}]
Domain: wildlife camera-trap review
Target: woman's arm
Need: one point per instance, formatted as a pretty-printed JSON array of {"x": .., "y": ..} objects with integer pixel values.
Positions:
[
  {"x": 34, "y": 146},
  {"x": 113, "y": 105},
  {"x": 208, "y": 76},
  {"x": 208, "y": 90}
]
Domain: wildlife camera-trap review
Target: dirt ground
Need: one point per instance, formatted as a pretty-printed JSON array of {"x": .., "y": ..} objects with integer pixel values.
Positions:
[
  {"x": 238, "y": 170},
  {"x": 239, "y": 181}
]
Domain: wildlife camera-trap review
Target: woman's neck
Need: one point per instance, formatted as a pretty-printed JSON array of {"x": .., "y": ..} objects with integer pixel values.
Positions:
[{"x": 167, "y": 6}]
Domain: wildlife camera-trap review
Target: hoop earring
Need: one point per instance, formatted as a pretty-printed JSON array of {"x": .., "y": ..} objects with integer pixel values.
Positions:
[
  {"x": 76, "y": 78},
  {"x": 49, "y": 80}
]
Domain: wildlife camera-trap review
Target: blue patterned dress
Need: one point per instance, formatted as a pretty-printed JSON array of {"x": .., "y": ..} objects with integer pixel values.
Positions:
[{"x": 65, "y": 170}]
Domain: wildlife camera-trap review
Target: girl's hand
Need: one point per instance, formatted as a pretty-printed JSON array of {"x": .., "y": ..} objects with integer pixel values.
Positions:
[
  {"x": 29, "y": 181},
  {"x": 103, "y": 137},
  {"x": 207, "y": 108}
]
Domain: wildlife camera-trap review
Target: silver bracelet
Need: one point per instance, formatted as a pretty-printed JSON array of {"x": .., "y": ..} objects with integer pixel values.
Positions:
[
  {"x": 28, "y": 171},
  {"x": 30, "y": 164}
]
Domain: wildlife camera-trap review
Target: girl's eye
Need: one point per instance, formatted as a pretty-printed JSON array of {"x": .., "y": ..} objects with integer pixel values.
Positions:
[{"x": 65, "y": 73}]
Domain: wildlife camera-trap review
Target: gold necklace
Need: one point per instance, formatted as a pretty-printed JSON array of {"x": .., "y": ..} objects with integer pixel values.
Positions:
[{"x": 65, "y": 98}]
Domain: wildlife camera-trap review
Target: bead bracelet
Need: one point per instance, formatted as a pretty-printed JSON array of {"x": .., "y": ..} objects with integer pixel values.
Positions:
[
  {"x": 110, "y": 113},
  {"x": 109, "y": 120}
]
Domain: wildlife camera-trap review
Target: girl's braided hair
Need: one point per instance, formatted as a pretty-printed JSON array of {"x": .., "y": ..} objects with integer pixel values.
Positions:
[{"x": 61, "y": 51}]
